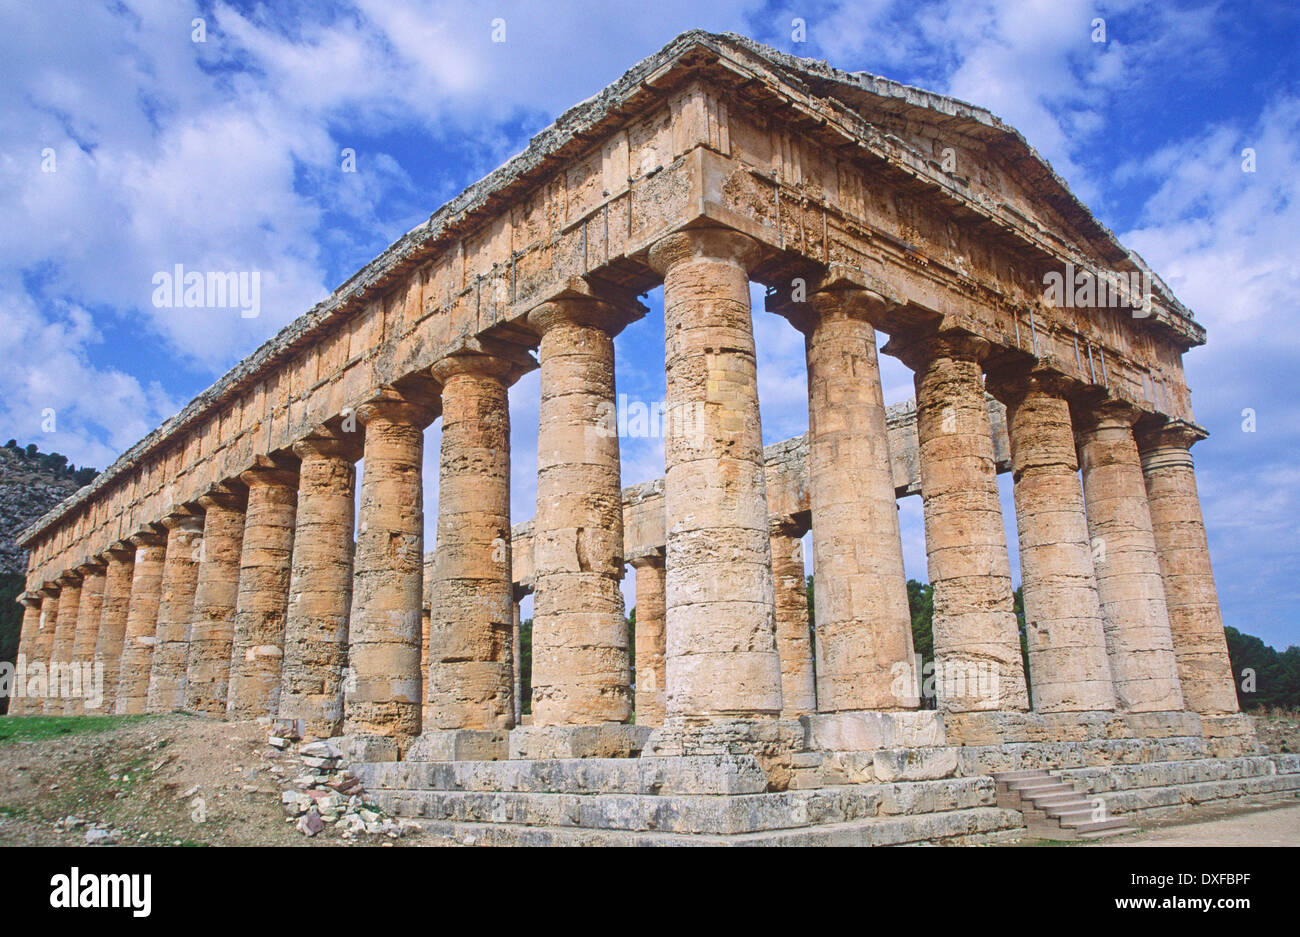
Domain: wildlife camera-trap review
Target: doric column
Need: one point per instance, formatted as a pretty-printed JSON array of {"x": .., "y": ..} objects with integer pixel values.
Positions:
[
  {"x": 83, "y": 643},
  {"x": 516, "y": 657},
  {"x": 61, "y": 647},
  {"x": 113, "y": 618},
  {"x": 650, "y": 677},
  {"x": 212, "y": 621},
  {"x": 793, "y": 637},
  {"x": 1196, "y": 625},
  {"x": 581, "y": 670},
  {"x": 141, "y": 622},
  {"x": 470, "y": 680},
  {"x": 320, "y": 584},
  {"x": 722, "y": 659},
  {"x": 382, "y": 693},
  {"x": 175, "y": 610},
  {"x": 864, "y": 627},
  {"x": 978, "y": 664},
  {"x": 266, "y": 553},
  {"x": 28, "y": 638},
  {"x": 1068, "y": 666},
  {"x": 1129, "y": 584}
]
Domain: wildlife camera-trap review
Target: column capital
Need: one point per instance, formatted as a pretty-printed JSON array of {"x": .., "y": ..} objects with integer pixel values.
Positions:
[
  {"x": 271, "y": 472},
  {"x": 94, "y": 566},
  {"x": 147, "y": 538},
  {"x": 1012, "y": 382},
  {"x": 691, "y": 244},
  {"x": 416, "y": 406},
  {"x": 591, "y": 313},
  {"x": 1106, "y": 414},
  {"x": 653, "y": 560},
  {"x": 69, "y": 577},
  {"x": 325, "y": 442},
  {"x": 30, "y": 599},
  {"x": 1173, "y": 434},
  {"x": 230, "y": 494},
  {"x": 917, "y": 349},
  {"x": 184, "y": 522},
  {"x": 507, "y": 368},
  {"x": 49, "y": 589},
  {"x": 119, "y": 550}
]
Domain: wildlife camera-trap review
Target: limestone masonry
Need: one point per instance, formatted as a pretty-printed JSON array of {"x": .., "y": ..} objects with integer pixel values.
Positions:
[{"x": 218, "y": 567}]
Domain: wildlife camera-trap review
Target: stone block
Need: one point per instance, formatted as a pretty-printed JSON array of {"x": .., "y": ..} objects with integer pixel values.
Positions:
[
  {"x": 869, "y": 731},
  {"x": 1163, "y": 725},
  {"x": 914, "y": 764},
  {"x": 611, "y": 740},
  {"x": 459, "y": 745}
]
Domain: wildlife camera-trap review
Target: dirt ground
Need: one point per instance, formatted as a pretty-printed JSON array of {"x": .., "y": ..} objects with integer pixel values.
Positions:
[
  {"x": 1271, "y": 824},
  {"x": 177, "y": 780}
]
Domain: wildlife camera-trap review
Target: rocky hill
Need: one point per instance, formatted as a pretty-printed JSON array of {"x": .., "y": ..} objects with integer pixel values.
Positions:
[{"x": 31, "y": 482}]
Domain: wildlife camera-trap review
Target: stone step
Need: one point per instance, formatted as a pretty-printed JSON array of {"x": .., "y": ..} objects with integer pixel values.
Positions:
[
  {"x": 1009, "y": 776},
  {"x": 690, "y": 813},
  {"x": 971, "y": 825},
  {"x": 1026, "y": 756},
  {"x": 1142, "y": 800},
  {"x": 1166, "y": 773}
]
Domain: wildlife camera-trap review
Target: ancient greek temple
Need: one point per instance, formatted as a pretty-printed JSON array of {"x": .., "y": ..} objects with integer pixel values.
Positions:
[{"x": 220, "y": 566}]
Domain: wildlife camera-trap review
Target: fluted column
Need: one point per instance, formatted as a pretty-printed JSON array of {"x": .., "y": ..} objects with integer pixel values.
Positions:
[
  {"x": 864, "y": 628},
  {"x": 978, "y": 664},
  {"x": 516, "y": 657},
  {"x": 650, "y": 677},
  {"x": 56, "y": 703},
  {"x": 266, "y": 552},
  {"x": 113, "y": 618},
  {"x": 793, "y": 636},
  {"x": 470, "y": 681},
  {"x": 1068, "y": 665},
  {"x": 83, "y": 643},
  {"x": 212, "y": 621},
  {"x": 320, "y": 584},
  {"x": 722, "y": 659},
  {"x": 1196, "y": 624},
  {"x": 141, "y": 622},
  {"x": 581, "y": 669},
  {"x": 28, "y": 637},
  {"x": 382, "y": 694},
  {"x": 1129, "y": 583},
  {"x": 175, "y": 611}
]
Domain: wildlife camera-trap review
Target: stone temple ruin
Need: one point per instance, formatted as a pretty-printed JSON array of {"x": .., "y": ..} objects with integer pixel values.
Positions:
[{"x": 212, "y": 568}]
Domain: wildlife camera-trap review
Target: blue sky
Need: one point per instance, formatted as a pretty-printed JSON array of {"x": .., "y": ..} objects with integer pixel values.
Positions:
[{"x": 226, "y": 154}]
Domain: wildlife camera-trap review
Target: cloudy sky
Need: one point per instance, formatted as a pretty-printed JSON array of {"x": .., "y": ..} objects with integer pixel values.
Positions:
[{"x": 126, "y": 147}]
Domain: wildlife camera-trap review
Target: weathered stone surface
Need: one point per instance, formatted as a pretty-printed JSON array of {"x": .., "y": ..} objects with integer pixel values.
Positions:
[
  {"x": 320, "y": 585},
  {"x": 978, "y": 665},
  {"x": 581, "y": 671},
  {"x": 65, "y": 631},
  {"x": 1196, "y": 625},
  {"x": 1069, "y": 667},
  {"x": 914, "y": 764},
  {"x": 262, "y": 601},
  {"x": 87, "y": 634},
  {"x": 870, "y": 731},
  {"x": 650, "y": 673},
  {"x": 180, "y": 575},
  {"x": 460, "y": 745},
  {"x": 114, "y": 608},
  {"x": 141, "y": 622},
  {"x": 721, "y": 656},
  {"x": 864, "y": 630},
  {"x": 383, "y": 690},
  {"x": 212, "y": 624},
  {"x": 610, "y": 740},
  {"x": 1129, "y": 583},
  {"x": 470, "y": 683},
  {"x": 793, "y": 635},
  {"x": 28, "y": 639}
]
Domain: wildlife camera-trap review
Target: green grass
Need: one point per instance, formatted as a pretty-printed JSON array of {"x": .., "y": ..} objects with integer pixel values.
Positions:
[{"x": 41, "y": 728}]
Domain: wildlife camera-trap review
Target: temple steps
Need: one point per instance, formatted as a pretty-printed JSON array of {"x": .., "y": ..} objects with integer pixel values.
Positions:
[
  {"x": 979, "y": 824},
  {"x": 1054, "y": 808}
]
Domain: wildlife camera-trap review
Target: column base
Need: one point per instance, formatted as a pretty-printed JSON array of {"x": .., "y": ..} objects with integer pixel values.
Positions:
[
  {"x": 460, "y": 745},
  {"x": 607, "y": 740}
]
